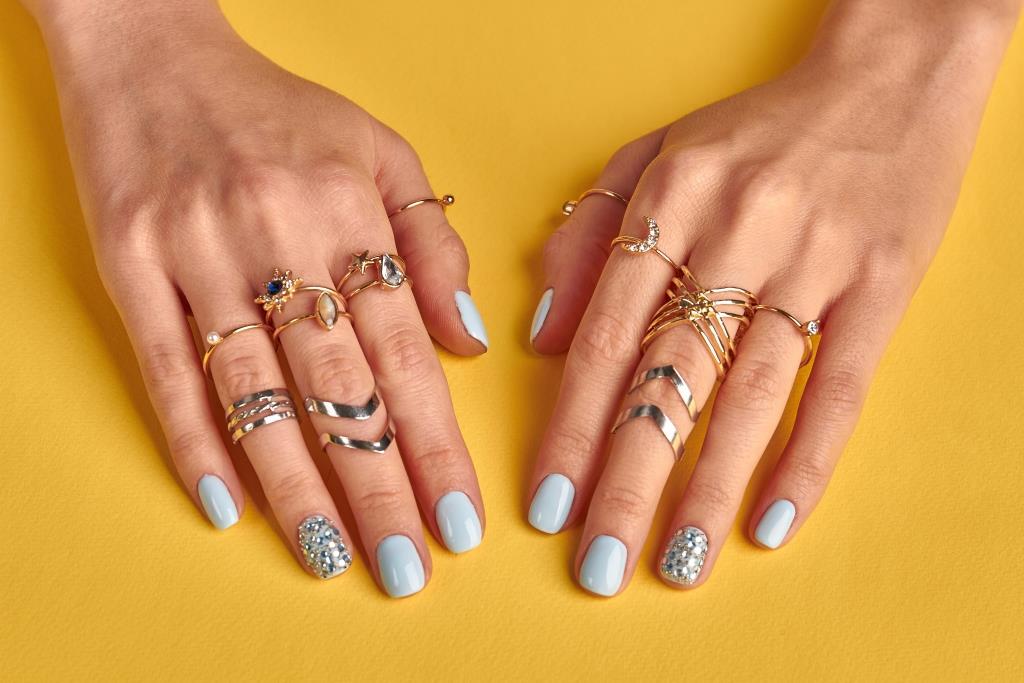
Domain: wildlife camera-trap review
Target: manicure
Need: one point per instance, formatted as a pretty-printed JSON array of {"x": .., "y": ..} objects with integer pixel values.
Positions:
[
  {"x": 323, "y": 548},
  {"x": 775, "y": 523},
  {"x": 471, "y": 319},
  {"x": 684, "y": 556},
  {"x": 604, "y": 565},
  {"x": 401, "y": 570},
  {"x": 541, "y": 314},
  {"x": 458, "y": 522},
  {"x": 551, "y": 504},
  {"x": 217, "y": 502}
]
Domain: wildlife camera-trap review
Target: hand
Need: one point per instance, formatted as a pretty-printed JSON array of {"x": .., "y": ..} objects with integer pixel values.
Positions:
[
  {"x": 201, "y": 167},
  {"x": 825, "y": 193}
]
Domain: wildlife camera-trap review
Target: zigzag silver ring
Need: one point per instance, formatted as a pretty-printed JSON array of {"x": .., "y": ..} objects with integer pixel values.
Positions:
[
  {"x": 665, "y": 425},
  {"x": 351, "y": 412},
  {"x": 378, "y": 446},
  {"x": 670, "y": 373}
]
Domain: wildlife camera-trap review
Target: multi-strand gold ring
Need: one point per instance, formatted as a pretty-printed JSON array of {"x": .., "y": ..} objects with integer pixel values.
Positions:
[
  {"x": 444, "y": 201},
  {"x": 390, "y": 272},
  {"x": 570, "y": 206}
]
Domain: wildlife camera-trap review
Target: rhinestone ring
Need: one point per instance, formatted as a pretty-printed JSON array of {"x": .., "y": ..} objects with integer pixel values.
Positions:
[{"x": 809, "y": 329}]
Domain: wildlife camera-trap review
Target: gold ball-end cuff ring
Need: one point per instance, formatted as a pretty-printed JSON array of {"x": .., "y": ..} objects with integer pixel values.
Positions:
[
  {"x": 570, "y": 206},
  {"x": 391, "y": 272},
  {"x": 809, "y": 329},
  {"x": 278, "y": 290},
  {"x": 444, "y": 201},
  {"x": 257, "y": 410},
  {"x": 215, "y": 340},
  {"x": 637, "y": 245},
  {"x": 329, "y": 308}
]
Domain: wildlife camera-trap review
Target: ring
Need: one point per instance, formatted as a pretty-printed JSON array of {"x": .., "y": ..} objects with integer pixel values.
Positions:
[
  {"x": 279, "y": 289},
  {"x": 665, "y": 425},
  {"x": 378, "y": 446},
  {"x": 258, "y": 409},
  {"x": 670, "y": 373},
  {"x": 215, "y": 339},
  {"x": 571, "y": 205},
  {"x": 811, "y": 328},
  {"x": 363, "y": 412},
  {"x": 444, "y": 201},
  {"x": 635, "y": 245},
  {"x": 390, "y": 272},
  {"x": 330, "y": 305}
]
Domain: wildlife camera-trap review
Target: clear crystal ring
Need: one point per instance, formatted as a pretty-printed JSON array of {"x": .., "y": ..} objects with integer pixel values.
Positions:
[
  {"x": 390, "y": 272},
  {"x": 809, "y": 329},
  {"x": 329, "y": 308},
  {"x": 637, "y": 245},
  {"x": 215, "y": 340}
]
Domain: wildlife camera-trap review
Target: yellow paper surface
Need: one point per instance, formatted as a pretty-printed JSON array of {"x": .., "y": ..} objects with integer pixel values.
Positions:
[{"x": 910, "y": 569}]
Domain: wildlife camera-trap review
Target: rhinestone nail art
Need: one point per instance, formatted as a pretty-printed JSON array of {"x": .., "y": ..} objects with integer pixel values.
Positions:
[
  {"x": 323, "y": 547},
  {"x": 684, "y": 555}
]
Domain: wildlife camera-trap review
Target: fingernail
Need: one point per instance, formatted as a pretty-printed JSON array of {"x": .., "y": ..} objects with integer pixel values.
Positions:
[
  {"x": 551, "y": 504},
  {"x": 684, "y": 556},
  {"x": 471, "y": 319},
  {"x": 323, "y": 548},
  {"x": 458, "y": 521},
  {"x": 604, "y": 565},
  {"x": 217, "y": 502},
  {"x": 775, "y": 523},
  {"x": 541, "y": 314},
  {"x": 401, "y": 570}
]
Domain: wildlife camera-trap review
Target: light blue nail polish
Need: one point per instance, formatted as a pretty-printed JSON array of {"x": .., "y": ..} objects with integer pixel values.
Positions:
[
  {"x": 458, "y": 522},
  {"x": 541, "y": 314},
  {"x": 551, "y": 504},
  {"x": 775, "y": 523},
  {"x": 217, "y": 502},
  {"x": 401, "y": 570},
  {"x": 471, "y": 319},
  {"x": 604, "y": 565}
]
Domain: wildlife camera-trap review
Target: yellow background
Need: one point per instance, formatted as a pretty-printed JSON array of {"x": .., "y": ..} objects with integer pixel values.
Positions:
[{"x": 911, "y": 568}]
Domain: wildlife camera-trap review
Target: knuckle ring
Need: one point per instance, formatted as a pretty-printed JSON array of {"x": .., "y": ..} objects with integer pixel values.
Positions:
[
  {"x": 215, "y": 339},
  {"x": 809, "y": 329},
  {"x": 670, "y": 373},
  {"x": 281, "y": 288},
  {"x": 444, "y": 201},
  {"x": 258, "y": 409},
  {"x": 665, "y": 425},
  {"x": 390, "y": 273},
  {"x": 351, "y": 412},
  {"x": 570, "y": 206}
]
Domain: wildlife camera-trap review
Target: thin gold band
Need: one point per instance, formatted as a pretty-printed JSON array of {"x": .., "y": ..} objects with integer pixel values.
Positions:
[
  {"x": 570, "y": 206},
  {"x": 809, "y": 329},
  {"x": 327, "y": 321},
  {"x": 215, "y": 340},
  {"x": 444, "y": 201}
]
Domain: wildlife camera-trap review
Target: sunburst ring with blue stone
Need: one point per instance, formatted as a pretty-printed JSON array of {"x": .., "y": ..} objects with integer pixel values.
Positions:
[
  {"x": 278, "y": 290},
  {"x": 390, "y": 273},
  {"x": 215, "y": 340},
  {"x": 329, "y": 308}
]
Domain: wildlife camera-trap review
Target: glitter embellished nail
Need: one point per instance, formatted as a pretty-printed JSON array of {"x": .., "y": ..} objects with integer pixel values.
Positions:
[
  {"x": 684, "y": 555},
  {"x": 323, "y": 547}
]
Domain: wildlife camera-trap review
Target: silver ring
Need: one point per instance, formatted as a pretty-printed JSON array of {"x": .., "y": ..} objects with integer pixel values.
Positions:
[
  {"x": 378, "y": 446},
  {"x": 262, "y": 422},
  {"x": 258, "y": 409},
  {"x": 670, "y": 373},
  {"x": 351, "y": 412},
  {"x": 264, "y": 395},
  {"x": 668, "y": 429}
]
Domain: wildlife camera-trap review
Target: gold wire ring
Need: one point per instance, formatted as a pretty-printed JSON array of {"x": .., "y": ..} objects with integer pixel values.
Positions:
[
  {"x": 444, "y": 201},
  {"x": 216, "y": 339},
  {"x": 570, "y": 206},
  {"x": 811, "y": 328},
  {"x": 390, "y": 272},
  {"x": 638, "y": 245},
  {"x": 330, "y": 306}
]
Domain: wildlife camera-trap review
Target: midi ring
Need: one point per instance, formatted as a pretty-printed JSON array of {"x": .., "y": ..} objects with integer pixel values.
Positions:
[
  {"x": 351, "y": 412},
  {"x": 390, "y": 272},
  {"x": 571, "y": 205},
  {"x": 670, "y": 373},
  {"x": 216, "y": 339},
  {"x": 330, "y": 306},
  {"x": 809, "y": 329},
  {"x": 259, "y": 409},
  {"x": 636, "y": 245},
  {"x": 444, "y": 201},
  {"x": 278, "y": 290},
  {"x": 665, "y": 425}
]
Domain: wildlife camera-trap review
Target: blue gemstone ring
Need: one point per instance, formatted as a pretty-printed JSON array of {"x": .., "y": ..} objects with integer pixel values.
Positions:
[{"x": 278, "y": 290}]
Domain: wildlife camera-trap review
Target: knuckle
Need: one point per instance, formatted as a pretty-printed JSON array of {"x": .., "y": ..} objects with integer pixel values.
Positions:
[
  {"x": 754, "y": 386},
  {"x": 438, "y": 460},
  {"x": 407, "y": 354},
  {"x": 296, "y": 485},
  {"x": 623, "y": 502},
  {"x": 332, "y": 372},
  {"x": 166, "y": 367},
  {"x": 712, "y": 495},
  {"x": 243, "y": 373},
  {"x": 842, "y": 393},
  {"x": 682, "y": 171},
  {"x": 570, "y": 444},
  {"x": 809, "y": 473},
  {"x": 191, "y": 446},
  {"x": 382, "y": 500},
  {"x": 603, "y": 340},
  {"x": 257, "y": 179}
]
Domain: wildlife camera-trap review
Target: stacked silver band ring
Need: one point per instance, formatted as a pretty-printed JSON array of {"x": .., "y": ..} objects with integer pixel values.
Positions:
[
  {"x": 656, "y": 413},
  {"x": 258, "y": 409},
  {"x": 351, "y": 412}
]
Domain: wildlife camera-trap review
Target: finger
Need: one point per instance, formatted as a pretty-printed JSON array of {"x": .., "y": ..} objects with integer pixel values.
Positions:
[
  {"x": 575, "y": 254},
  {"x": 174, "y": 378},
  {"x": 606, "y": 348},
  {"x": 241, "y": 365},
  {"x": 436, "y": 256},
  {"x": 846, "y": 360},
  {"x": 409, "y": 374},
  {"x": 330, "y": 366}
]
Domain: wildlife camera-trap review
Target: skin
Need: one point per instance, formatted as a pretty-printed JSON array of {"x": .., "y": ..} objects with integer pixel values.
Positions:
[
  {"x": 826, "y": 192},
  {"x": 201, "y": 166}
]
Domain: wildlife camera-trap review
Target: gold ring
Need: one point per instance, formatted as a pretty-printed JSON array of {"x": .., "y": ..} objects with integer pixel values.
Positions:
[
  {"x": 811, "y": 328},
  {"x": 636, "y": 245},
  {"x": 330, "y": 306},
  {"x": 390, "y": 272},
  {"x": 278, "y": 290},
  {"x": 216, "y": 339},
  {"x": 444, "y": 201},
  {"x": 571, "y": 205}
]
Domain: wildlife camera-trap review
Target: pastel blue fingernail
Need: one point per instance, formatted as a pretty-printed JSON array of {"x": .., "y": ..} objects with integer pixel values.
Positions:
[
  {"x": 604, "y": 566},
  {"x": 541, "y": 314},
  {"x": 217, "y": 502},
  {"x": 471, "y": 319},
  {"x": 551, "y": 504},
  {"x": 458, "y": 522},
  {"x": 401, "y": 570},
  {"x": 775, "y": 523}
]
